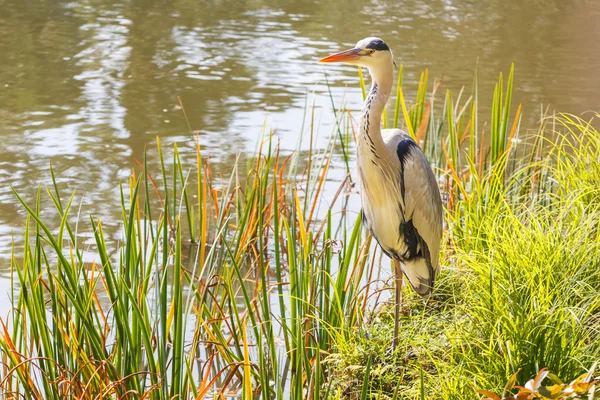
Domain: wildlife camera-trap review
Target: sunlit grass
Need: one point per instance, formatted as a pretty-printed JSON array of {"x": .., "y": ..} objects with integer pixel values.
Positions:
[
  {"x": 258, "y": 285},
  {"x": 519, "y": 291}
]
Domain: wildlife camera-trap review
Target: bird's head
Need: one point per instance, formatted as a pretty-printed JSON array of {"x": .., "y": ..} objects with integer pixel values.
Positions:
[{"x": 370, "y": 52}]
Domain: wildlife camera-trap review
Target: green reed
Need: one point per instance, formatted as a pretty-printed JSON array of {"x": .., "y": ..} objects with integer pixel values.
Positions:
[{"x": 136, "y": 320}]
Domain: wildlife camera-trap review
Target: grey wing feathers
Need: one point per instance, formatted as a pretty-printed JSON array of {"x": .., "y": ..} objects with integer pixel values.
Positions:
[
  {"x": 422, "y": 202},
  {"x": 422, "y": 206}
]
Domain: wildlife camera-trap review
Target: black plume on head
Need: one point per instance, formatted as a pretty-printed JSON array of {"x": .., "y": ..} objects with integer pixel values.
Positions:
[{"x": 377, "y": 45}]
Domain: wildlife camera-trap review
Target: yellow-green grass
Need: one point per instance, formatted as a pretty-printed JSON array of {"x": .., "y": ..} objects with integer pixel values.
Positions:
[{"x": 519, "y": 291}]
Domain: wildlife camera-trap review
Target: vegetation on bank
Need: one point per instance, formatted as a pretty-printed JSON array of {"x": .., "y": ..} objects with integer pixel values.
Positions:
[{"x": 276, "y": 294}]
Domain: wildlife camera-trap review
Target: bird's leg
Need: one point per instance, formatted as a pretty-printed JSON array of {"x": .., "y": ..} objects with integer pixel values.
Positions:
[{"x": 398, "y": 277}]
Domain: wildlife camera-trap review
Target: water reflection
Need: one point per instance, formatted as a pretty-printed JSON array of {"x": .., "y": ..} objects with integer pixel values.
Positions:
[{"x": 88, "y": 84}]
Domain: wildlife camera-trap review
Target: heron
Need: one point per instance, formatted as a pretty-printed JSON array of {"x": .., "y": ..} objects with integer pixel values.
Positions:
[{"x": 401, "y": 203}]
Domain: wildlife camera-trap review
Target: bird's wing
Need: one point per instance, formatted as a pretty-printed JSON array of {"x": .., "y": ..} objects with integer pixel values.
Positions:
[
  {"x": 419, "y": 189},
  {"x": 421, "y": 194}
]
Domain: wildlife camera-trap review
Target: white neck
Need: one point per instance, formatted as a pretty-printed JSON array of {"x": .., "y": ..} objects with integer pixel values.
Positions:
[{"x": 370, "y": 121}]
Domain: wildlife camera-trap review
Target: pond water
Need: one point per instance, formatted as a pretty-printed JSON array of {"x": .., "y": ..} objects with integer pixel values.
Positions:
[{"x": 88, "y": 85}]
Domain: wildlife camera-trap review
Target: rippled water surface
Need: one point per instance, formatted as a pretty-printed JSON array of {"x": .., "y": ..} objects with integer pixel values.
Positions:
[{"x": 87, "y": 85}]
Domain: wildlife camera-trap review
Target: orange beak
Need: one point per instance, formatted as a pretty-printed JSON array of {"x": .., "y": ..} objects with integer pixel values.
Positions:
[{"x": 344, "y": 56}]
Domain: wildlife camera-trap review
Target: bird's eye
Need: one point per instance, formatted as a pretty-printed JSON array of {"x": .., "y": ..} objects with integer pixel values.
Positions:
[{"x": 370, "y": 51}]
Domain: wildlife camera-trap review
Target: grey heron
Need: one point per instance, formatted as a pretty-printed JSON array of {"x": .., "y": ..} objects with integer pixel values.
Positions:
[{"x": 401, "y": 202}]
